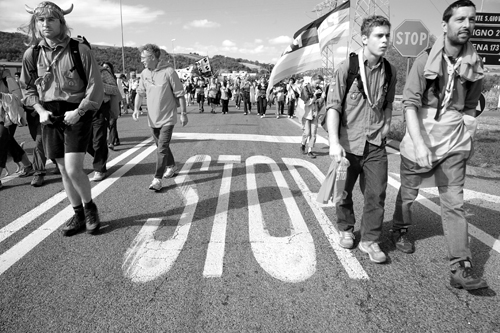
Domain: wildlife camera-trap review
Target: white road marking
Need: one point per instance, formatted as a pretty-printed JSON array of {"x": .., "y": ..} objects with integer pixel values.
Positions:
[
  {"x": 474, "y": 231},
  {"x": 242, "y": 137},
  {"x": 215, "y": 252},
  {"x": 30, "y": 216},
  {"x": 346, "y": 257},
  {"x": 18, "y": 251},
  {"x": 291, "y": 258},
  {"x": 147, "y": 258}
]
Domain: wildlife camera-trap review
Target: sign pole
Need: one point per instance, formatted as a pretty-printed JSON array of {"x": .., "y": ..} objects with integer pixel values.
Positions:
[{"x": 407, "y": 67}]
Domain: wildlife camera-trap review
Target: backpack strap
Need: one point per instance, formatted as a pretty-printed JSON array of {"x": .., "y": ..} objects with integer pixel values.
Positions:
[
  {"x": 32, "y": 70},
  {"x": 437, "y": 89},
  {"x": 388, "y": 78},
  {"x": 352, "y": 73},
  {"x": 77, "y": 59}
]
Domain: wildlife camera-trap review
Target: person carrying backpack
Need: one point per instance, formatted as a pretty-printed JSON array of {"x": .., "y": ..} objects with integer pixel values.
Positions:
[
  {"x": 64, "y": 86},
  {"x": 358, "y": 119},
  {"x": 440, "y": 99}
]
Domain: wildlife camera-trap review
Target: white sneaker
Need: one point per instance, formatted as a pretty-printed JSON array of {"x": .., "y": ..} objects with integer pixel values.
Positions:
[
  {"x": 155, "y": 185},
  {"x": 170, "y": 172},
  {"x": 262, "y": 116},
  {"x": 373, "y": 250},
  {"x": 277, "y": 117},
  {"x": 346, "y": 239},
  {"x": 98, "y": 176}
]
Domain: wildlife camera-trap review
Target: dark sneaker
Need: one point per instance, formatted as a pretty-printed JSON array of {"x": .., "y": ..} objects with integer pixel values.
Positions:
[
  {"x": 311, "y": 155},
  {"x": 26, "y": 171},
  {"x": 37, "y": 180},
  {"x": 73, "y": 226},
  {"x": 464, "y": 278},
  {"x": 92, "y": 222},
  {"x": 400, "y": 239},
  {"x": 374, "y": 252},
  {"x": 303, "y": 149}
]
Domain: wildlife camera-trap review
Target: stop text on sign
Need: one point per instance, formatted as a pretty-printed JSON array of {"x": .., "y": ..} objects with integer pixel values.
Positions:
[{"x": 411, "y": 38}]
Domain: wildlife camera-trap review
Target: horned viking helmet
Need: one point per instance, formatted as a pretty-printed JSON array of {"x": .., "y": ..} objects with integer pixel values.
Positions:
[{"x": 48, "y": 5}]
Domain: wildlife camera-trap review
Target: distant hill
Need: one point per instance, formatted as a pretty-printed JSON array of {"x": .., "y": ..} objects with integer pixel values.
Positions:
[{"x": 12, "y": 49}]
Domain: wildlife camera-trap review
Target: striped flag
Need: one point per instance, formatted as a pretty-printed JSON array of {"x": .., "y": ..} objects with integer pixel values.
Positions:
[{"x": 305, "y": 51}]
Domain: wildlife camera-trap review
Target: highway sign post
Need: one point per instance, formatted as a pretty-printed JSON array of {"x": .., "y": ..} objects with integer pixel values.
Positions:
[{"x": 410, "y": 38}]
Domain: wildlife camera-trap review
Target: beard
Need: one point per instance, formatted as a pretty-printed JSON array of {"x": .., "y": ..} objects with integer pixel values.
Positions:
[{"x": 457, "y": 40}]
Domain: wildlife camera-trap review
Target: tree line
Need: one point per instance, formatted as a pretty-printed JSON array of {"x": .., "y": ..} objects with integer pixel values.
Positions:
[{"x": 12, "y": 48}]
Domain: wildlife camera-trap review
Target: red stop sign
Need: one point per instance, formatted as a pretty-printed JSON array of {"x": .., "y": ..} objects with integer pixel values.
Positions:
[{"x": 410, "y": 38}]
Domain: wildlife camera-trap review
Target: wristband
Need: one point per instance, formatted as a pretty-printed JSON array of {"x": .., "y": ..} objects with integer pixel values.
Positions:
[{"x": 81, "y": 112}]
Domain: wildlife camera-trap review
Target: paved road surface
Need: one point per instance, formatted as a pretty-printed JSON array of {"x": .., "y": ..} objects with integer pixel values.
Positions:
[{"x": 234, "y": 243}]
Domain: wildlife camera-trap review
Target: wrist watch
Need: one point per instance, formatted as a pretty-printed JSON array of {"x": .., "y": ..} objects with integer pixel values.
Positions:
[{"x": 81, "y": 112}]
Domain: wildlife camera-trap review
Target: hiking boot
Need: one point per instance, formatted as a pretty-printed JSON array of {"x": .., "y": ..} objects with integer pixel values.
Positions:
[
  {"x": 37, "y": 180},
  {"x": 92, "y": 222},
  {"x": 464, "y": 278},
  {"x": 346, "y": 239},
  {"x": 98, "y": 176},
  {"x": 156, "y": 185},
  {"x": 170, "y": 172},
  {"x": 73, "y": 226},
  {"x": 303, "y": 149},
  {"x": 373, "y": 250},
  {"x": 400, "y": 239},
  {"x": 26, "y": 171}
]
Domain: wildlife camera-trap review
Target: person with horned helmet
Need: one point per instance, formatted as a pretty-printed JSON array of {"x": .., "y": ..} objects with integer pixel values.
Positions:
[{"x": 64, "y": 86}]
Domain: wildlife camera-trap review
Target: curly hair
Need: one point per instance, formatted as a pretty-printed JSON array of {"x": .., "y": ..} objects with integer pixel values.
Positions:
[
  {"x": 151, "y": 48},
  {"x": 373, "y": 21}
]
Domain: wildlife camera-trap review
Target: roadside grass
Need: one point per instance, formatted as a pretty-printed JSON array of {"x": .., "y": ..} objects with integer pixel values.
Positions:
[{"x": 486, "y": 141}]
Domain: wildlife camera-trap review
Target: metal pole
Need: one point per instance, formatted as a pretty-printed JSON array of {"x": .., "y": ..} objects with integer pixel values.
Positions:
[
  {"x": 123, "y": 49},
  {"x": 173, "y": 49},
  {"x": 407, "y": 67}
]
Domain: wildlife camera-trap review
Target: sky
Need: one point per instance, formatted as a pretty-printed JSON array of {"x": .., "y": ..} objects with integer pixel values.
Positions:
[{"x": 254, "y": 30}]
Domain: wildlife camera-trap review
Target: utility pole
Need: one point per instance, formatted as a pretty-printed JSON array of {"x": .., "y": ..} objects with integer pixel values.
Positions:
[
  {"x": 173, "y": 49},
  {"x": 123, "y": 48}
]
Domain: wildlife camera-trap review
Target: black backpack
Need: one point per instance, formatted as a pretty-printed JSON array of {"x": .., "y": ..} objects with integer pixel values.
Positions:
[{"x": 75, "y": 57}]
